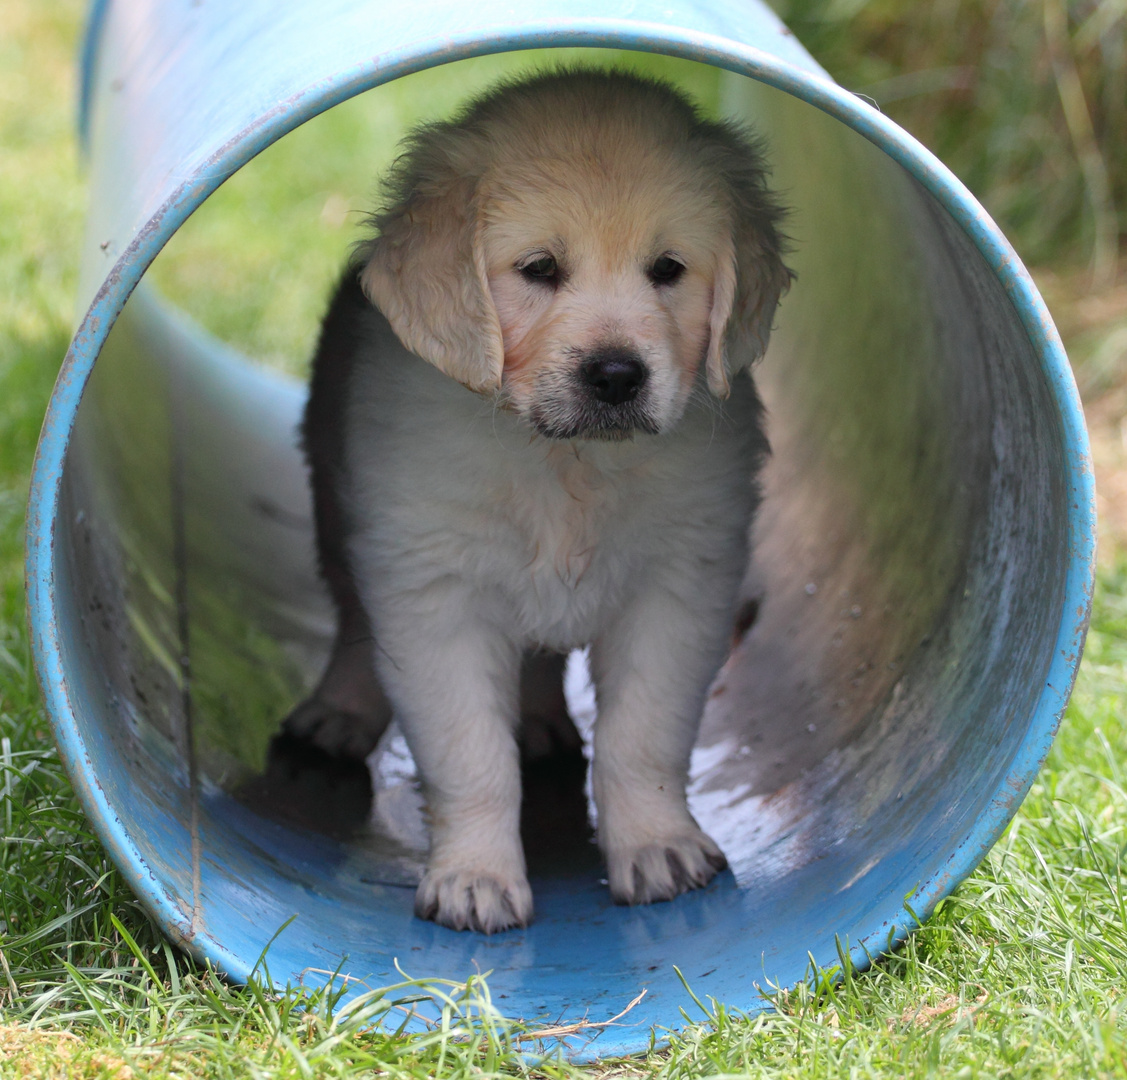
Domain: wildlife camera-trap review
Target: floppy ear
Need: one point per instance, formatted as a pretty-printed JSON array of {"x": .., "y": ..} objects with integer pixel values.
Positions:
[
  {"x": 426, "y": 270},
  {"x": 750, "y": 274},
  {"x": 749, "y": 281}
]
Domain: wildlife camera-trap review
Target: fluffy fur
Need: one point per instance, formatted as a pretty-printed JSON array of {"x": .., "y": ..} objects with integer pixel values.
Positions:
[{"x": 531, "y": 428}]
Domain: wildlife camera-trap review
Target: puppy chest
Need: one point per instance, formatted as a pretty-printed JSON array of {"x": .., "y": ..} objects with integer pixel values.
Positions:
[
  {"x": 576, "y": 551},
  {"x": 564, "y": 516}
]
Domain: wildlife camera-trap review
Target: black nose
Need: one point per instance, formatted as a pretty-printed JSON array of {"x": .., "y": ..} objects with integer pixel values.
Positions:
[{"x": 614, "y": 375}]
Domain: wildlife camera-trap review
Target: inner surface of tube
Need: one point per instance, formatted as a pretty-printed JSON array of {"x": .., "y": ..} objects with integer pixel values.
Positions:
[{"x": 907, "y": 580}]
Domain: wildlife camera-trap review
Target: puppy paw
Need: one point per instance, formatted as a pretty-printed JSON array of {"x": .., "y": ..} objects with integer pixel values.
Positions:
[
  {"x": 546, "y": 728},
  {"x": 474, "y": 900},
  {"x": 663, "y": 868},
  {"x": 339, "y": 733},
  {"x": 542, "y": 737}
]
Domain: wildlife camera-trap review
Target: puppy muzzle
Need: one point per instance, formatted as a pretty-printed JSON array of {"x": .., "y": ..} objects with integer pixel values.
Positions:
[{"x": 605, "y": 397}]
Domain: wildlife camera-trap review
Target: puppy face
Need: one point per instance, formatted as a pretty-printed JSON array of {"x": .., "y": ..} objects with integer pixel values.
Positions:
[
  {"x": 580, "y": 245},
  {"x": 604, "y": 288}
]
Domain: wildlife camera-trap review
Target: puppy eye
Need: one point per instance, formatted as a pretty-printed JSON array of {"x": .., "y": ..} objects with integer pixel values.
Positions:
[
  {"x": 665, "y": 270},
  {"x": 541, "y": 269}
]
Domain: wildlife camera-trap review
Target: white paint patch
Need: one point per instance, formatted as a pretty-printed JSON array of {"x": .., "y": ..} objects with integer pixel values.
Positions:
[
  {"x": 580, "y": 694},
  {"x": 860, "y": 874},
  {"x": 397, "y": 803}
]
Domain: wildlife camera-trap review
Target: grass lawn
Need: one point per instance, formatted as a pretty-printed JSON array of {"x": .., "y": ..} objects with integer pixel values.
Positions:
[{"x": 1020, "y": 973}]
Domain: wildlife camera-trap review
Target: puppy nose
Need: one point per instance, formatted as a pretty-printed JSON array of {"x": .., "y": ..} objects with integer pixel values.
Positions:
[{"x": 614, "y": 375}]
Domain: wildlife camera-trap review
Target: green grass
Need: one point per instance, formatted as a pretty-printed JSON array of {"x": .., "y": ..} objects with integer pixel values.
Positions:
[{"x": 1019, "y": 974}]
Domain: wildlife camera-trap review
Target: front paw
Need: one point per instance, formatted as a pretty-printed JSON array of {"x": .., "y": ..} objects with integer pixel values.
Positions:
[
  {"x": 662, "y": 868},
  {"x": 474, "y": 899}
]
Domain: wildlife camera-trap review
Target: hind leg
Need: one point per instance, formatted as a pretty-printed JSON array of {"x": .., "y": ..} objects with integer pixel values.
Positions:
[
  {"x": 348, "y": 712},
  {"x": 546, "y": 728}
]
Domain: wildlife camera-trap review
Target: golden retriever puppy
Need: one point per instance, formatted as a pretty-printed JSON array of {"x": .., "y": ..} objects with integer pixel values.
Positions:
[{"x": 531, "y": 427}]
